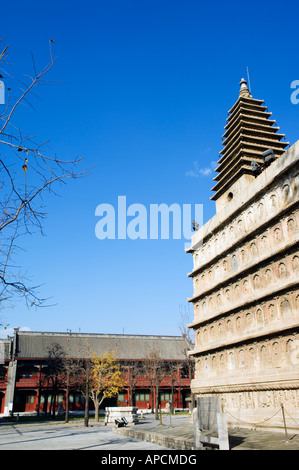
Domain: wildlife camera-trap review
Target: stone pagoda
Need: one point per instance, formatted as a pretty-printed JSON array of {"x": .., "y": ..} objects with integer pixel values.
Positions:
[
  {"x": 248, "y": 133},
  {"x": 245, "y": 275}
]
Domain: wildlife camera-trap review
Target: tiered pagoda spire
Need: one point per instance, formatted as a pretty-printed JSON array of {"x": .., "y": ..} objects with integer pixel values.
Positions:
[{"x": 248, "y": 133}]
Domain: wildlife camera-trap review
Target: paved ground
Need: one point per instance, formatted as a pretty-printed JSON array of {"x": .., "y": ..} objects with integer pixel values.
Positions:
[
  {"x": 67, "y": 437},
  {"x": 175, "y": 433}
]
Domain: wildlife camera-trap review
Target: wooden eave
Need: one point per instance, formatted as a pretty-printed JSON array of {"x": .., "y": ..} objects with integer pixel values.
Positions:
[
  {"x": 260, "y": 127},
  {"x": 232, "y": 168},
  {"x": 247, "y": 105},
  {"x": 270, "y": 128},
  {"x": 246, "y": 100},
  {"x": 258, "y": 132},
  {"x": 255, "y": 140},
  {"x": 250, "y": 111},
  {"x": 247, "y": 117},
  {"x": 254, "y": 150},
  {"x": 242, "y": 126},
  {"x": 242, "y": 135}
]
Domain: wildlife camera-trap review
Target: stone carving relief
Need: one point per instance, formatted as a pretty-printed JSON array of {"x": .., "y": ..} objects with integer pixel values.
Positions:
[
  {"x": 246, "y": 286},
  {"x": 209, "y": 251},
  {"x": 237, "y": 292},
  {"x": 227, "y": 294},
  {"x": 259, "y": 212},
  {"x": 240, "y": 226},
  {"x": 259, "y": 317},
  {"x": 295, "y": 264},
  {"x": 250, "y": 220},
  {"x": 272, "y": 312},
  {"x": 246, "y": 255},
  {"x": 253, "y": 249},
  {"x": 273, "y": 202},
  {"x": 277, "y": 234},
  {"x": 257, "y": 284},
  {"x": 238, "y": 323},
  {"x": 295, "y": 186},
  {"x": 286, "y": 192},
  {"x": 282, "y": 271},
  {"x": 234, "y": 262},
  {"x": 243, "y": 257},
  {"x": 291, "y": 225},
  {"x": 231, "y": 328},
  {"x": 253, "y": 357},
  {"x": 264, "y": 243},
  {"x": 268, "y": 276},
  {"x": 264, "y": 280},
  {"x": 232, "y": 232},
  {"x": 285, "y": 308},
  {"x": 225, "y": 267},
  {"x": 247, "y": 321},
  {"x": 249, "y": 400},
  {"x": 197, "y": 310}
]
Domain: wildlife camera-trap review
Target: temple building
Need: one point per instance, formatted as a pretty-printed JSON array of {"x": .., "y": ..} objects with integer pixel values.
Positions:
[
  {"x": 33, "y": 370},
  {"x": 245, "y": 275}
]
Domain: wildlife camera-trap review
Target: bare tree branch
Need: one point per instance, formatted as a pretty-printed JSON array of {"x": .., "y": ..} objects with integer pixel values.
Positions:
[{"x": 28, "y": 170}]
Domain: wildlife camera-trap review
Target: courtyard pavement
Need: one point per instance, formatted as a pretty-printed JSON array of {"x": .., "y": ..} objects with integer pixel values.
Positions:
[
  {"x": 177, "y": 432},
  {"x": 61, "y": 436},
  {"x": 174, "y": 433}
]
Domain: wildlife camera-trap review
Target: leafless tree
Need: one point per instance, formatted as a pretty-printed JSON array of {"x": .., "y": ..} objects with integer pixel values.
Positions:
[
  {"x": 188, "y": 335},
  {"x": 156, "y": 370},
  {"x": 84, "y": 370},
  {"x": 185, "y": 319},
  {"x": 133, "y": 371},
  {"x": 70, "y": 373},
  {"x": 28, "y": 171},
  {"x": 56, "y": 355},
  {"x": 173, "y": 373}
]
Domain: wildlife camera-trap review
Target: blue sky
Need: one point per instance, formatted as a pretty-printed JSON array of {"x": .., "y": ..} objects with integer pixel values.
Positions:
[{"x": 141, "y": 89}]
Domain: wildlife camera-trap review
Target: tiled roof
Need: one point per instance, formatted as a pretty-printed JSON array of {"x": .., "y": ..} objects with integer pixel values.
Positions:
[{"x": 76, "y": 345}]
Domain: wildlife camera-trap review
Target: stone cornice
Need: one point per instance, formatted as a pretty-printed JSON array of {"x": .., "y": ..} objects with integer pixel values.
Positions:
[{"x": 246, "y": 387}]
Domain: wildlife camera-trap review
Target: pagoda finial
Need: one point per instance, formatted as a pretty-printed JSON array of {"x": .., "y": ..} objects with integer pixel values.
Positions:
[{"x": 244, "y": 90}]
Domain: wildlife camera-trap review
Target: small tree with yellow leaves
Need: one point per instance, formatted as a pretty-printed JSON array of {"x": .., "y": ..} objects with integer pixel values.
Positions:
[{"x": 106, "y": 379}]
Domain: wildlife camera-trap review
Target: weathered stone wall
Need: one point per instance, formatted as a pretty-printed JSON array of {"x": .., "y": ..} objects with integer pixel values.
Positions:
[{"x": 246, "y": 298}]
